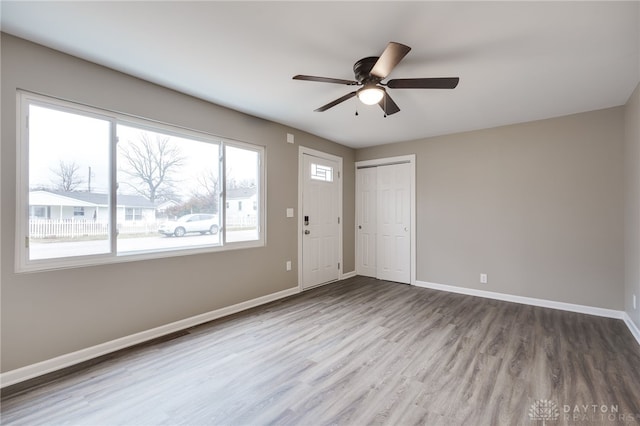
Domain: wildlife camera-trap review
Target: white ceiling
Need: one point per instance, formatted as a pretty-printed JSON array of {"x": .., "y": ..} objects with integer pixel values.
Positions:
[{"x": 517, "y": 61}]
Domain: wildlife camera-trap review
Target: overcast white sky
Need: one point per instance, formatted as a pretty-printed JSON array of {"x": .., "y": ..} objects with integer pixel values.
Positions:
[{"x": 56, "y": 136}]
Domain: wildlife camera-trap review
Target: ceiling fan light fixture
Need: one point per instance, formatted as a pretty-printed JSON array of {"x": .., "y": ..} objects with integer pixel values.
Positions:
[
  {"x": 370, "y": 94},
  {"x": 371, "y": 71}
]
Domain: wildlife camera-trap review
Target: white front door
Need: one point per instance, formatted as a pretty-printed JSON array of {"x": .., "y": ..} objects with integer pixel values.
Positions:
[
  {"x": 394, "y": 222},
  {"x": 320, "y": 221}
]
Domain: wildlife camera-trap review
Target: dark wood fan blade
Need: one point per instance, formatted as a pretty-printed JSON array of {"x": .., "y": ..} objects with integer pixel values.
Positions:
[
  {"x": 392, "y": 55},
  {"x": 388, "y": 105},
  {"x": 325, "y": 79},
  {"x": 424, "y": 83},
  {"x": 336, "y": 102}
]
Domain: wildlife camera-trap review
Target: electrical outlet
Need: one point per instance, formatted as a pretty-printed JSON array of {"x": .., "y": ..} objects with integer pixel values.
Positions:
[
  {"x": 483, "y": 278},
  {"x": 288, "y": 265}
]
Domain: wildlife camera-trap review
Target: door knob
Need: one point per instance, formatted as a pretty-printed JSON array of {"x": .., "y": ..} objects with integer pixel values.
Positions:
[{"x": 307, "y": 232}]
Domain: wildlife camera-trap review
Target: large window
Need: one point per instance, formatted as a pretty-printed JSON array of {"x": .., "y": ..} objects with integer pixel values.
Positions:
[{"x": 99, "y": 187}]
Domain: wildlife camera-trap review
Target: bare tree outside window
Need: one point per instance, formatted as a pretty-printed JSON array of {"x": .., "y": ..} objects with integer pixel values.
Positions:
[
  {"x": 152, "y": 162},
  {"x": 204, "y": 198},
  {"x": 208, "y": 192},
  {"x": 68, "y": 177}
]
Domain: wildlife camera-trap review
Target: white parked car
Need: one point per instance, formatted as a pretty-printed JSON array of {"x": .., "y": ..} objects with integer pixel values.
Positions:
[{"x": 198, "y": 222}]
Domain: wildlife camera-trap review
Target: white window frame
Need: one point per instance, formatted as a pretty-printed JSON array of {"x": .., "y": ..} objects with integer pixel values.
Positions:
[{"x": 24, "y": 264}]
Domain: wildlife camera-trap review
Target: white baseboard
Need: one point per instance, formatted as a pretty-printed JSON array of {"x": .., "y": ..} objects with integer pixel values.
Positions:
[
  {"x": 583, "y": 309},
  {"x": 34, "y": 370},
  {"x": 633, "y": 328},
  {"x": 591, "y": 310}
]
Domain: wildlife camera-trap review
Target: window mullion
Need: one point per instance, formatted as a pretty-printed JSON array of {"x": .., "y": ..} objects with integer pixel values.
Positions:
[
  {"x": 113, "y": 188},
  {"x": 222, "y": 205}
]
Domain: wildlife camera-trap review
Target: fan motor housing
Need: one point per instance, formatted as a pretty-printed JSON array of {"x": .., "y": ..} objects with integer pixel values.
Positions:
[{"x": 362, "y": 69}]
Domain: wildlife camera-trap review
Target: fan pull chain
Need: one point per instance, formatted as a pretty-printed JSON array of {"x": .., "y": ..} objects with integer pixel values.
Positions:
[{"x": 385, "y": 105}]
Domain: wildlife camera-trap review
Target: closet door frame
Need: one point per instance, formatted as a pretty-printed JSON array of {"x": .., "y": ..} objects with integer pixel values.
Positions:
[{"x": 411, "y": 160}]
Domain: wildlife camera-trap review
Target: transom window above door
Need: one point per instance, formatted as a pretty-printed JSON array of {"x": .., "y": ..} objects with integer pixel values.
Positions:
[{"x": 321, "y": 172}]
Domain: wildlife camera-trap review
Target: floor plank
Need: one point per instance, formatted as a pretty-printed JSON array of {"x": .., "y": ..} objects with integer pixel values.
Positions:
[{"x": 361, "y": 351}]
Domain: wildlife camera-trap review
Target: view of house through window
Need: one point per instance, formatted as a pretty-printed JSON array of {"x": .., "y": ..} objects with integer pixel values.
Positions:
[
  {"x": 68, "y": 184},
  {"x": 241, "y": 193},
  {"x": 166, "y": 193}
]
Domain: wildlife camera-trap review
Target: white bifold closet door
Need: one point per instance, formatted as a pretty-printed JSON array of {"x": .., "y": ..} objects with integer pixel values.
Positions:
[{"x": 383, "y": 210}]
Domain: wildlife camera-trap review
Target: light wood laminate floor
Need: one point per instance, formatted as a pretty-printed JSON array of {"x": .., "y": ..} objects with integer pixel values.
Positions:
[{"x": 360, "y": 352}]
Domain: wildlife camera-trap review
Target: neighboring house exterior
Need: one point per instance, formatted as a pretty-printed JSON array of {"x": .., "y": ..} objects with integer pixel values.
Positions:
[
  {"x": 61, "y": 205},
  {"x": 242, "y": 206}
]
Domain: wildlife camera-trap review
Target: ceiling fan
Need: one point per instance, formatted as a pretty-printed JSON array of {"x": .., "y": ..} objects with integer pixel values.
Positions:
[{"x": 369, "y": 73}]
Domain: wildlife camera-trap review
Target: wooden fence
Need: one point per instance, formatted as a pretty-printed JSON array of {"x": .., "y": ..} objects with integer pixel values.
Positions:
[
  {"x": 241, "y": 222},
  {"x": 47, "y": 228},
  {"x": 76, "y": 228}
]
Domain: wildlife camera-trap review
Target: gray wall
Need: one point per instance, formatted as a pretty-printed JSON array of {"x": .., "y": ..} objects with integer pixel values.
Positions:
[
  {"x": 632, "y": 204},
  {"x": 537, "y": 206},
  {"x": 47, "y": 314}
]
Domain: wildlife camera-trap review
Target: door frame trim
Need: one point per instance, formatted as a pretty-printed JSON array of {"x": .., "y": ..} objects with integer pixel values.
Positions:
[
  {"x": 302, "y": 151},
  {"x": 411, "y": 160}
]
